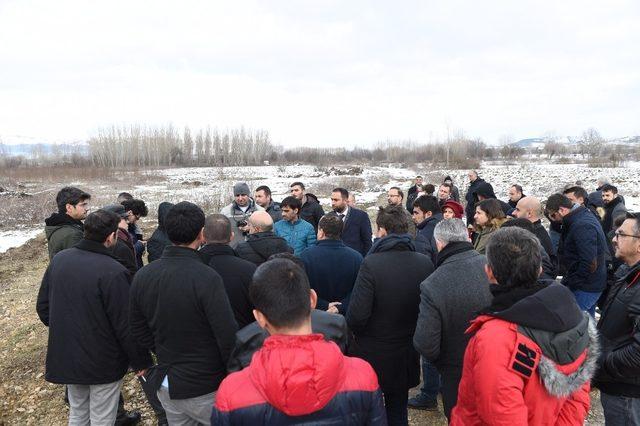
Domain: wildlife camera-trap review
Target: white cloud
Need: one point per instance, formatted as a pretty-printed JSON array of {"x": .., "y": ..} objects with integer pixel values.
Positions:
[{"x": 321, "y": 73}]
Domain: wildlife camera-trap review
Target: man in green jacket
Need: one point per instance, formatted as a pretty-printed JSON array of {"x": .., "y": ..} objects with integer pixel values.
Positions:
[{"x": 64, "y": 229}]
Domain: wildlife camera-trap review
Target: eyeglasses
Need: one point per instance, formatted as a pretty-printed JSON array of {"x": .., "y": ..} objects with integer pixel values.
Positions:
[{"x": 619, "y": 234}]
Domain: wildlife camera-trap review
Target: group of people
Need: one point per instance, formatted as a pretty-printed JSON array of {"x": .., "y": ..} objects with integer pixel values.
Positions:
[{"x": 282, "y": 313}]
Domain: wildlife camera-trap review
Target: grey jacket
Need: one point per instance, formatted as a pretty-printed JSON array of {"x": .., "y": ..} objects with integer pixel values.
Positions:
[{"x": 449, "y": 299}]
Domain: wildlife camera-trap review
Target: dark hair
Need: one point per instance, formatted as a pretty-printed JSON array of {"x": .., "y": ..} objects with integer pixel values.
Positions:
[
  {"x": 300, "y": 184},
  {"x": 619, "y": 220},
  {"x": 291, "y": 202},
  {"x": 100, "y": 224},
  {"x": 343, "y": 192},
  {"x": 578, "y": 191},
  {"x": 289, "y": 256},
  {"x": 429, "y": 188},
  {"x": 555, "y": 201},
  {"x": 609, "y": 188},
  {"x": 520, "y": 223},
  {"x": 447, "y": 185},
  {"x": 332, "y": 226},
  {"x": 492, "y": 208},
  {"x": 184, "y": 222},
  {"x": 513, "y": 255},
  {"x": 280, "y": 290},
  {"x": 400, "y": 193},
  {"x": 635, "y": 217},
  {"x": 427, "y": 203},
  {"x": 393, "y": 219},
  {"x": 137, "y": 207},
  {"x": 70, "y": 195},
  {"x": 418, "y": 177},
  {"x": 264, "y": 188},
  {"x": 217, "y": 228},
  {"x": 517, "y": 187},
  {"x": 123, "y": 196}
]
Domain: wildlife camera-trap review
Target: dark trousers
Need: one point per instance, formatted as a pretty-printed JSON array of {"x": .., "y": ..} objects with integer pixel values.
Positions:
[
  {"x": 620, "y": 410},
  {"x": 395, "y": 405},
  {"x": 430, "y": 380},
  {"x": 152, "y": 398},
  {"x": 450, "y": 381}
]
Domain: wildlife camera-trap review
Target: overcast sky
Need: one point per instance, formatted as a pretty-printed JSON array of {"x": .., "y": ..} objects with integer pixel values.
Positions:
[{"x": 322, "y": 73}]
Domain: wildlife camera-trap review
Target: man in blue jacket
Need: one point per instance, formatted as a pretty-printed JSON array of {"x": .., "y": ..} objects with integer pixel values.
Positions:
[
  {"x": 581, "y": 252},
  {"x": 298, "y": 233},
  {"x": 331, "y": 266},
  {"x": 357, "y": 226},
  {"x": 426, "y": 215}
]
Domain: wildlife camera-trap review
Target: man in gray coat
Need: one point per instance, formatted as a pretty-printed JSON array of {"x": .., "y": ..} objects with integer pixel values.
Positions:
[{"x": 450, "y": 298}]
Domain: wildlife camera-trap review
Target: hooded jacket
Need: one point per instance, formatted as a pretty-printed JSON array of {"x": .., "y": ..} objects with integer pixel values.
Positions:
[
  {"x": 300, "y": 380},
  {"x": 384, "y": 307},
  {"x": 261, "y": 245},
  {"x": 529, "y": 363},
  {"x": 471, "y": 199},
  {"x": 425, "y": 243},
  {"x": 485, "y": 189},
  {"x": 311, "y": 210},
  {"x": 62, "y": 232},
  {"x": 159, "y": 239}
]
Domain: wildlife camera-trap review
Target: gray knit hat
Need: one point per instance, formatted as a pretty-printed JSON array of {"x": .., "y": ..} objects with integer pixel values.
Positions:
[{"x": 241, "y": 188}]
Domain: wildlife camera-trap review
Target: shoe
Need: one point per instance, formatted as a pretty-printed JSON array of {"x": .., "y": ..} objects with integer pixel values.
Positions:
[
  {"x": 128, "y": 418},
  {"x": 422, "y": 402}
]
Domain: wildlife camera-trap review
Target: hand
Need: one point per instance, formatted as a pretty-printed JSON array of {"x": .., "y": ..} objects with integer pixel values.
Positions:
[{"x": 333, "y": 307}]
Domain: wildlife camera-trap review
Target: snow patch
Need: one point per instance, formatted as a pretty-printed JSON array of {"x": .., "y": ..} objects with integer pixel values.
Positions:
[{"x": 16, "y": 238}]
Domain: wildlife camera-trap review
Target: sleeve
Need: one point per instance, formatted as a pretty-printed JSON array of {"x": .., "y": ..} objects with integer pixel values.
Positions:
[
  {"x": 42, "y": 304},
  {"x": 587, "y": 253},
  {"x": 311, "y": 237},
  {"x": 154, "y": 249},
  {"x": 72, "y": 239},
  {"x": 126, "y": 257},
  {"x": 220, "y": 316},
  {"x": 362, "y": 296},
  {"x": 377, "y": 413},
  {"x": 625, "y": 361},
  {"x": 575, "y": 408},
  {"x": 115, "y": 293},
  {"x": 318, "y": 215},
  {"x": 498, "y": 390},
  {"x": 365, "y": 234},
  {"x": 137, "y": 321},
  {"x": 428, "y": 333}
]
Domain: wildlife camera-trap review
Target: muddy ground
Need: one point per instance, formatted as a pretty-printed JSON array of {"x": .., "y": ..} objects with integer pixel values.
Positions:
[{"x": 25, "y": 397}]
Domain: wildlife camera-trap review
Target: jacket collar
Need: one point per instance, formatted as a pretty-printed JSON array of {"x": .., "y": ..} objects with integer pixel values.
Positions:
[
  {"x": 217, "y": 249},
  {"x": 180, "y": 252},
  {"x": 451, "y": 249},
  {"x": 330, "y": 243},
  {"x": 59, "y": 219},
  {"x": 94, "y": 247}
]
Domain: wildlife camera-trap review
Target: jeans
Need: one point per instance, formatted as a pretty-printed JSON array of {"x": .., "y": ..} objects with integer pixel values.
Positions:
[
  {"x": 93, "y": 404},
  {"x": 620, "y": 410},
  {"x": 395, "y": 404},
  {"x": 430, "y": 380},
  {"x": 587, "y": 301}
]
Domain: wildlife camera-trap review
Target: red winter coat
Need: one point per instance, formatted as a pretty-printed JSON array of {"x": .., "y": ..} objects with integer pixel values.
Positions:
[
  {"x": 300, "y": 379},
  {"x": 507, "y": 380}
]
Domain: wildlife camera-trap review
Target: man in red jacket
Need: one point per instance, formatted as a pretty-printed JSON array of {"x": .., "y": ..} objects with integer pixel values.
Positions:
[
  {"x": 534, "y": 351},
  {"x": 296, "y": 377}
]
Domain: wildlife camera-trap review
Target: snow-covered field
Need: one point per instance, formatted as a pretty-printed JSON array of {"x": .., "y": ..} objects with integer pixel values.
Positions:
[{"x": 211, "y": 187}]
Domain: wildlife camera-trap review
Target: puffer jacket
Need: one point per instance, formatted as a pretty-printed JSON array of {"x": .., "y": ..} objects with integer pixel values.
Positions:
[
  {"x": 300, "y": 234},
  {"x": 300, "y": 380},
  {"x": 62, "y": 232},
  {"x": 530, "y": 363}
]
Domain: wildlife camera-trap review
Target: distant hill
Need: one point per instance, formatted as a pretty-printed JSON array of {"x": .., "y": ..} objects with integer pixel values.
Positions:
[
  {"x": 533, "y": 143},
  {"x": 32, "y": 149}
]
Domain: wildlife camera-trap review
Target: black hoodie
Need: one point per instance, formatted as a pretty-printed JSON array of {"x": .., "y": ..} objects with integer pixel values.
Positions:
[{"x": 159, "y": 239}]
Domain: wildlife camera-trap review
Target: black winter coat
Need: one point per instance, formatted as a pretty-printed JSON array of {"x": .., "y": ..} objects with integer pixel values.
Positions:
[
  {"x": 425, "y": 243},
  {"x": 84, "y": 300},
  {"x": 619, "y": 327},
  {"x": 261, "y": 245},
  {"x": 470, "y": 208},
  {"x": 180, "y": 310},
  {"x": 312, "y": 211},
  {"x": 124, "y": 252},
  {"x": 159, "y": 239},
  {"x": 236, "y": 275},
  {"x": 383, "y": 311}
]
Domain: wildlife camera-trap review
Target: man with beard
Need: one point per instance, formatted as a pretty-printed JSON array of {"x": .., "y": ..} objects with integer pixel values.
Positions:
[
  {"x": 311, "y": 210},
  {"x": 357, "y": 226},
  {"x": 394, "y": 198},
  {"x": 64, "y": 229},
  {"x": 613, "y": 207},
  {"x": 239, "y": 211}
]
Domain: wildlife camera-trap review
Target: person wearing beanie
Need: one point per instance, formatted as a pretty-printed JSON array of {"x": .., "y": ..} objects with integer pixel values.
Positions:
[
  {"x": 455, "y": 193},
  {"x": 452, "y": 209},
  {"x": 533, "y": 351},
  {"x": 239, "y": 211}
]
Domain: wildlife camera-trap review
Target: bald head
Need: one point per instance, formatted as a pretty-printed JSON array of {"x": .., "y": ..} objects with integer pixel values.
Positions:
[
  {"x": 529, "y": 208},
  {"x": 260, "y": 222}
]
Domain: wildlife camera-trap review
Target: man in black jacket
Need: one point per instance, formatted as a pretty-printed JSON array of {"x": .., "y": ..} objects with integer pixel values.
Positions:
[
  {"x": 123, "y": 249},
  {"x": 470, "y": 209},
  {"x": 383, "y": 310},
  {"x": 618, "y": 376},
  {"x": 530, "y": 208},
  {"x": 311, "y": 210},
  {"x": 261, "y": 242},
  {"x": 263, "y": 198},
  {"x": 236, "y": 273},
  {"x": 159, "y": 239},
  {"x": 180, "y": 310},
  {"x": 356, "y": 232},
  {"x": 84, "y": 299}
]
